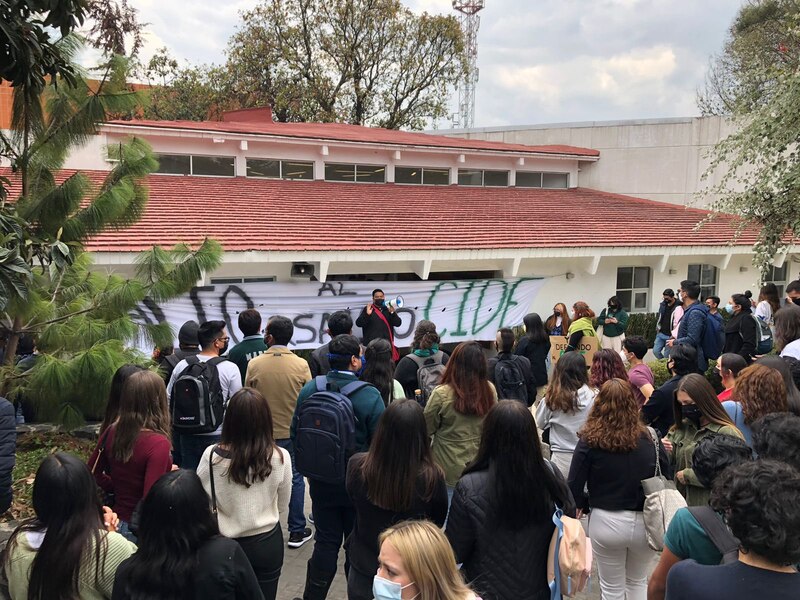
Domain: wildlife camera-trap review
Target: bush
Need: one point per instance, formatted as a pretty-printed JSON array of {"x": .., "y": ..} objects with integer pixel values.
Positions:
[
  {"x": 643, "y": 324},
  {"x": 661, "y": 373}
]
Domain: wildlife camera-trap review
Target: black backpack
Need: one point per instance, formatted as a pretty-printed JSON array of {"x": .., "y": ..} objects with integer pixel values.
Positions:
[
  {"x": 196, "y": 403},
  {"x": 717, "y": 532},
  {"x": 325, "y": 437},
  {"x": 510, "y": 380}
]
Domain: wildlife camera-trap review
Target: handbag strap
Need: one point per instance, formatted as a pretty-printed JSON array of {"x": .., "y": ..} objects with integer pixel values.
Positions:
[
  {"x": 213, "y": 489},
  {"x": 101, "y": 447},
  {"x": 654, "y": 437}
]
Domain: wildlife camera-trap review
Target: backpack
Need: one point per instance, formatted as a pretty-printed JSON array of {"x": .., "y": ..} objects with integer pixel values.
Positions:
[
  {"x": 717, "y": 532},
  {"x": 325, "y": 437},
  {"x": 764, "y": 337},
  {"x": 713, "y": 339},
  {"x": 430, "y": 371},
  {"x": 510, "y": 380},
  {"x": 196, "y": 403}
]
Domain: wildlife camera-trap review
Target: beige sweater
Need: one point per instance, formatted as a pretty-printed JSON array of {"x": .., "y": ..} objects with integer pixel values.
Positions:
[{"x": 244, "y": 511}]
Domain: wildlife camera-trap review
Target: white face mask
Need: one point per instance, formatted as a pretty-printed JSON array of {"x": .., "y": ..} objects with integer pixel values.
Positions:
[
  {"x": 680, "y": 297},
  {"x": 383, "y": 589}
]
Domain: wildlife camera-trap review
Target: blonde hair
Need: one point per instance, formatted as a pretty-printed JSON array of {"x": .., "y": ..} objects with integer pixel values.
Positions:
[{"x": 428, "y": 559}]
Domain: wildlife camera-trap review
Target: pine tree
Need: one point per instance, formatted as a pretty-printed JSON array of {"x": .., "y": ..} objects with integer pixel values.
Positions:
[{"x": 80, "y": 317}]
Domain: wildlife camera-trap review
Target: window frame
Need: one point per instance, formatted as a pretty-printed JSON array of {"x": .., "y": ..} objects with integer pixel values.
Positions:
[
  {"x": 633, "y": 290},
  {"x": 779, "y": 283},
  {"x": 355, "y": 172},
  {"x": 714, "y": 287}
]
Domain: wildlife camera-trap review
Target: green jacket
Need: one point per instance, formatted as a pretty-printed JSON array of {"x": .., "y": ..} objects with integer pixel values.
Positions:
[
  {"x": 245, "y": 351},
  {"x": 684, "y": 439},
  {"x": 613, "y": 329},
  {"x": 367, "y": 405},
  {"x": 456, "y": 437}
]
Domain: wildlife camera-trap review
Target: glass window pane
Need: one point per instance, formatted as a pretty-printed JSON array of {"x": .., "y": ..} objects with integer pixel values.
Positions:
[
  {"x": 370, "y": 173},
  {"x": 339, "y": 172},
  {"x": 529, "y": 179},
  {"x": 640, "y": 301},
  {"x": 624, "y": 278},
  {"x": 495, "y": 178},
  {"x": 555, "y": 180},
  {"x": 297, "y": 170},
  {"x": 780, "y": 291},
  {"x": 258, "y": 167},
  {"x": 694, "y": 273},
  {"x": 436, "y": 176},
  {"x": 708, "y": 275},
  {"x": 706, "y": 291},
  {"x": 174, "y": 164},
  {"x": 408, "y": 175},
  {"x": 470, "y": 177},
  {"x": 641, "y": 277},
  {"x": 213, "y": 165},
  {"x": 625, "y": 297}
]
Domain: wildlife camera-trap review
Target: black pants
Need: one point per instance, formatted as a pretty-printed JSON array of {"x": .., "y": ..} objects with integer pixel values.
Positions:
[
  {"x": 265, "y": 553},
  {"x": 359, "y": 586},
  {"x": 334, "y": 516}
]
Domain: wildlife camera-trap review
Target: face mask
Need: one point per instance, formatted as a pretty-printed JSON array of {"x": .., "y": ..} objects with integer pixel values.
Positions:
[
  {"x": 363, "y": 365},
  {"x": 796, "y": 301},
  {"x": 378, "y": 303},
  {"x": 680, "y": 297},
  {"x": 383, "y": 589},
  {"x": 624, "y": 356},
  {"x": 611, "y": 307},
  {"x": 728, "y": 308},
  {"x": 558, "y": 312},
  {"x": 691, "y": 412},
  {"x": 224, "y": 349}
]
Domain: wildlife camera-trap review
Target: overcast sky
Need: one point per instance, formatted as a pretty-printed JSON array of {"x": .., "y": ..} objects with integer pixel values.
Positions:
[{"x": 540, "y": 61}]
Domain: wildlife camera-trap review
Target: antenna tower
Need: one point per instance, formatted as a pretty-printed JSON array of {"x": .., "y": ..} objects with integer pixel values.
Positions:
[{"x": 470, "y": 22}]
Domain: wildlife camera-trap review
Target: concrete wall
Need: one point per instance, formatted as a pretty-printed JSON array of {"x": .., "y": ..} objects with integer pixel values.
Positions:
[{"x": 659, "y": 159}]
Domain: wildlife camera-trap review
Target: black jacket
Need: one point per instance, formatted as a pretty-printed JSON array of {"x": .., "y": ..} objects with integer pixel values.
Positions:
[
  {"x": 658, "y": 411},
  {"x": 223, "y": 573},
  {"x": 318, "y": 362},
  {"x": 741, "y": 335},
  {"x": 373, "y": 326},
  {"x": 8, "y": 448},
  {"x": 169, "y": 363},
  {"x": 500, "y": 563},
  {"x": 537, "y": 355},
  {"x": 525, "y": 367},
  {"x": 406, "y": 373}
]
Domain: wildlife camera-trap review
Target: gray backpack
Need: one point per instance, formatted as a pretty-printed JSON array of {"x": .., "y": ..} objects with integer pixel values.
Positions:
[{"x": 430, "y": 371}]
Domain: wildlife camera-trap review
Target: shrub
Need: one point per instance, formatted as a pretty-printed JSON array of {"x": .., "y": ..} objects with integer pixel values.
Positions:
[
  {"x": 643, "y": 324},
  {"x": 661, "y": 373}
]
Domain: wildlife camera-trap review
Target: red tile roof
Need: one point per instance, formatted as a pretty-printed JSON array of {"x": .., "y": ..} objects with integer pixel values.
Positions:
[
  {"x": 262, "y": 214},
  {"x": 355, "y": 133}
]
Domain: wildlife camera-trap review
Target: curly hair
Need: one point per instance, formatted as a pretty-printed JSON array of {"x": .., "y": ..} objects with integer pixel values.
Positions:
[
  {"x": 759, "y": 503},
  {"x": 613, "y": 423},
  {"x": 582, "y": 310},
  {"x": 715, "y": 453},
  {"x": 425, "y": 336},
  {"x": 760, "y": 390},
  {"x": 606, "y": 365},
  {"x": 777, "y": 436}
]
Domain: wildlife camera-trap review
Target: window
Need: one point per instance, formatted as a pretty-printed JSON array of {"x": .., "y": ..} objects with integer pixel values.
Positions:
[
  {"x": 360, "y": 173},
  {"x": 555, "y": 181},
  {"x": 779, "y": 276},
  {"x": 707, "y": 276},
  {"x": 529, "y": 179},
  {"x": 633, "y": 288},
  {"x": 187, "y": 164},
  {"x": 479, "y": 177},
  {"x": 235, "y": 280},
  {"x": 285, "y": 169},
  {"x": 421, "y": 175}
]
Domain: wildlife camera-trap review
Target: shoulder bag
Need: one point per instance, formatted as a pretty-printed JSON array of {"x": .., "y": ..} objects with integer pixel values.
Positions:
[{"x": 661, "y": 501}]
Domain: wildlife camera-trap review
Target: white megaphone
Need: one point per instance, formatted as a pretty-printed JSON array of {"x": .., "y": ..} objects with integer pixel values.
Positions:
[{"x": 396, "y": 303}]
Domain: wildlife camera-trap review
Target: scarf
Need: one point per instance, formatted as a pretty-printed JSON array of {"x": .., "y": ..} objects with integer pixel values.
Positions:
[
  {"x": 583, "y": 324},
  {"x": 379, "y": 312}
]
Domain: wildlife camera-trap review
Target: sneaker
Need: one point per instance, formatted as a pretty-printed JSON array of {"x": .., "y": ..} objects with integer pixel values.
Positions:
[{"x": 298, "y": 538}]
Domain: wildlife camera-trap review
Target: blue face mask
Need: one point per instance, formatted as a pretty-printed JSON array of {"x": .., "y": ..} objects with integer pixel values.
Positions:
[
  {"x": 383, "y": 589},
  {"x": 728, "y": 308}
]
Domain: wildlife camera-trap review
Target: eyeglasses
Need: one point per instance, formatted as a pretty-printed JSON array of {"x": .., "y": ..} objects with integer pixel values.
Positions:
[{"x": 223, "y": 339}]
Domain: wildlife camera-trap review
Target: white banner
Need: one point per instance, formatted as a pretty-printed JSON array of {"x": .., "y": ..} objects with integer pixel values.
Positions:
[{"x": 462, "y": 310}]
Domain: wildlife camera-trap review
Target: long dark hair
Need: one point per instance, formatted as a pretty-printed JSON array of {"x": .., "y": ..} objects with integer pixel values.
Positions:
[
  {"x": 467, "y": 375},
  {"x": 569, "y": 375},
  {"x": 247, "y": 437},
  {"x": 702, "y": 394},
  {"x": 510, "y": 450},
  {"x": 115, "y": 394},
  {"x": 534, "y": 329},
  {"x": 398, "y": 455},
  {"x": 68, "y": 511},
  {"x": 143, "y": 406},
  {"x": 379, "y": 368},
  {"x": 769, "y": 292},
  {"x": 176, "y": 520}
]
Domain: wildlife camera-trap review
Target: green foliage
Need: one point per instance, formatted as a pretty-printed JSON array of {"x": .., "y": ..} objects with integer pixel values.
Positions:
[
  {"x": 643, "y": 324},
  {"x": 661, "y": 374}
]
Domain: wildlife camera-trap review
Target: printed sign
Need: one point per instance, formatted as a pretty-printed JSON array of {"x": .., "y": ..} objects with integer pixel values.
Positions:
[
  {"x": 462, "y": 310},
  {"x": 588, "y": 346}
]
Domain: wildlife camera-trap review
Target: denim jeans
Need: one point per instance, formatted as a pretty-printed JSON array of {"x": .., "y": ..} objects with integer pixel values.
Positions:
[
  {"x": 334, "y": 516},
  {"x": 191, "y": 448},
  {"x": 124, "y": 529},
  {"x": 660, "y": 348},
  {"x": 297, "y": 519}
]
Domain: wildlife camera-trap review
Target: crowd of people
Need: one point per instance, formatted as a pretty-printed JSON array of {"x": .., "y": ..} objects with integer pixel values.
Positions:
[{"x": 440, "y": 474}]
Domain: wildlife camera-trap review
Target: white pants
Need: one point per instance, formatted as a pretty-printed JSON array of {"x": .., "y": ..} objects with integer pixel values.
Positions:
[
  {"x": 612, "y": 343},
  {"x": 562, "y": 460},
  {"x": 624, "y": 560}
]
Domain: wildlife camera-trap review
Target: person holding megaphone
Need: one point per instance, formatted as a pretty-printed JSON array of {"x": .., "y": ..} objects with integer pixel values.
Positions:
[{"x": 378, "y": 320}]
